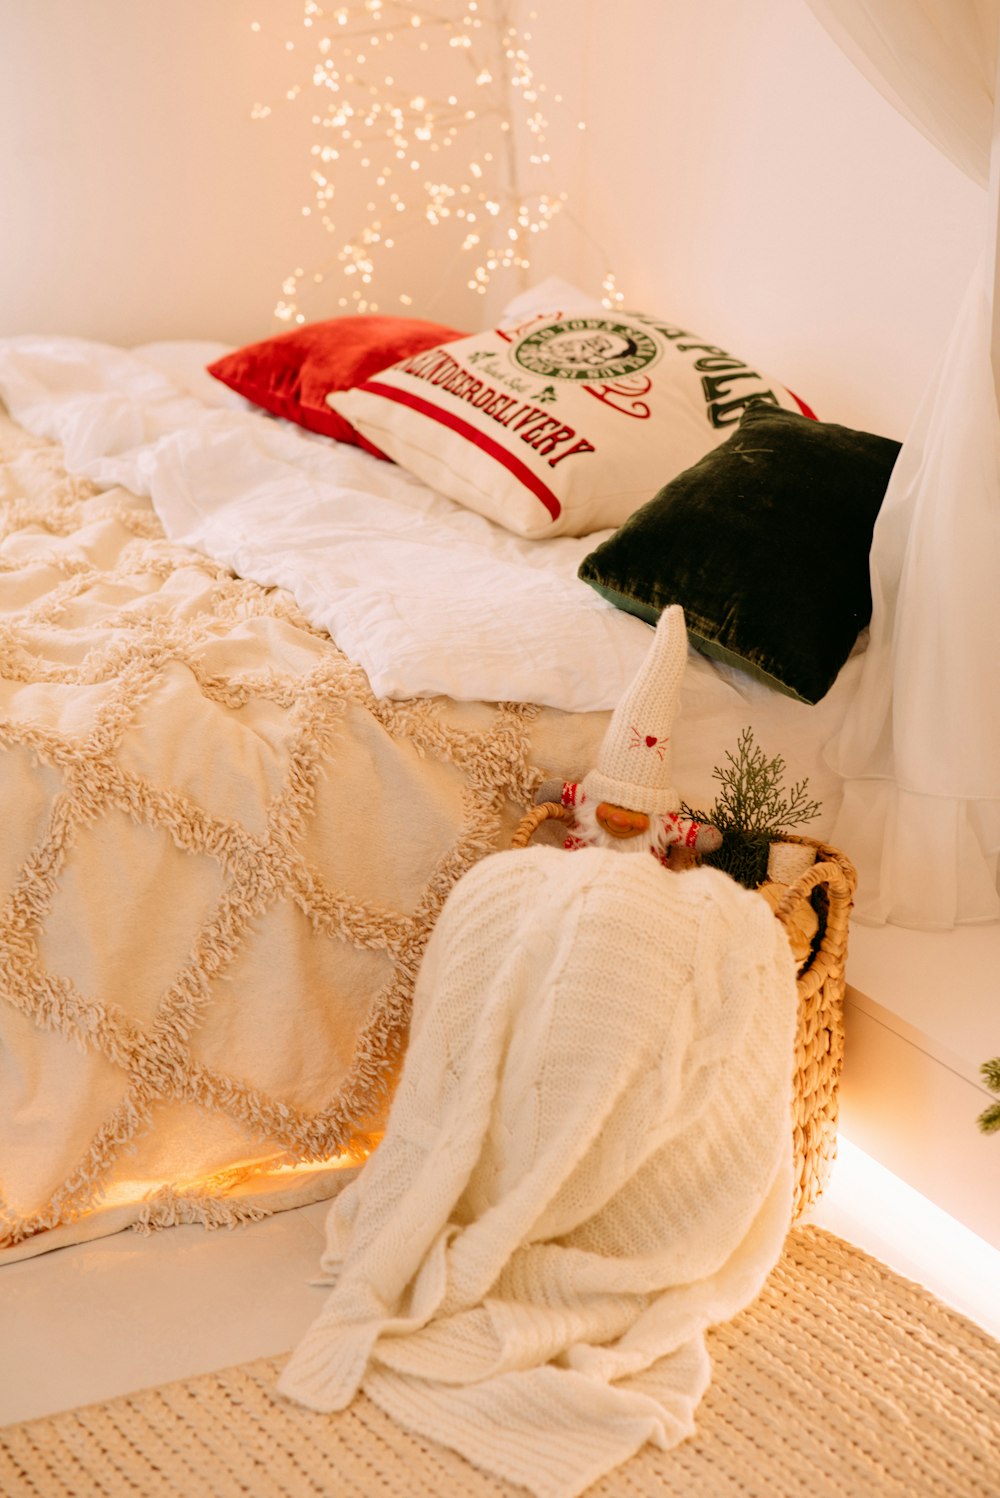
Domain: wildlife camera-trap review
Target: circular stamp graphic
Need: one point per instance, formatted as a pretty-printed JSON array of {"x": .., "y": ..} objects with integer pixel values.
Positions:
[{"x": 586, "y": 348}]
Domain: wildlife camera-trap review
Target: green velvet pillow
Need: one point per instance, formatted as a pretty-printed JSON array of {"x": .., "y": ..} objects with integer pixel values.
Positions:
[{"x": 765, "y": 543}]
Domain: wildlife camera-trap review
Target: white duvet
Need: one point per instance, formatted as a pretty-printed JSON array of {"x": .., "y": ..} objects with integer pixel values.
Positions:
[{"x": 426, "y": 596}]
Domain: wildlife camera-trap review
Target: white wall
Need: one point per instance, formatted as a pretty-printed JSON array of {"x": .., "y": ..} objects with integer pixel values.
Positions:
[
  {"x": 752, "y": 185},
  {"x": 139, "y": 200},
  {"x": 740, "y": 175}
]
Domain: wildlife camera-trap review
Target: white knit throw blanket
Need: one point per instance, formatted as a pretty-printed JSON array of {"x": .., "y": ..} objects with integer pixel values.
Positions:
[{"x": 587, "y": 1163}]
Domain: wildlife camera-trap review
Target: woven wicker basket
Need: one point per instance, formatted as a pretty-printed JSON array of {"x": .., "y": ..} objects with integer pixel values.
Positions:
[{"x": 819, "y": 1043}]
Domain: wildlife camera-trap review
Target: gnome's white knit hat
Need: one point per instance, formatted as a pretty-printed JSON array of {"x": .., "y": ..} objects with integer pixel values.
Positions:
[{"x": 634, "y": 765}]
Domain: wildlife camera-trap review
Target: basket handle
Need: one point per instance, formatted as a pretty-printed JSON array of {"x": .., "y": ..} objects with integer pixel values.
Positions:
[
  {"x": 839, "y": 886},
  {"x": 534, "y": 819},
  {"x": 837, "y": 874}
]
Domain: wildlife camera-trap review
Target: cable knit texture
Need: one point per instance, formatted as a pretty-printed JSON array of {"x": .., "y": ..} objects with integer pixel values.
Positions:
[{"x": 587, "y": 1163}]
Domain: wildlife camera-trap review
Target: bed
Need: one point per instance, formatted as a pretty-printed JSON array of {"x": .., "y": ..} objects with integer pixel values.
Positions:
[{"x": 266, "y": 695}]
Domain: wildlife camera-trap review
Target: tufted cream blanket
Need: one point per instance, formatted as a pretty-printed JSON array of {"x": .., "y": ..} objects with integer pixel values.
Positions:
[{"x": 220, "y": 859}]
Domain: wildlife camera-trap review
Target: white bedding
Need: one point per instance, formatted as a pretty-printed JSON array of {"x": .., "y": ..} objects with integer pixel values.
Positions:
[{"x": 426, "y": 596}]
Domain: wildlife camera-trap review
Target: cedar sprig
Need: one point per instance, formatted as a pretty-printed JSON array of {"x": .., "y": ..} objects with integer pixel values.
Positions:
[
  {"x": 753, "y": 799},
  {"x": 752, "y": 809}
]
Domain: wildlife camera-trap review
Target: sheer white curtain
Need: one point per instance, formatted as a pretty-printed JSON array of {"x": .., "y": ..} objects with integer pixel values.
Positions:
[{"x": 920, "y": 747}]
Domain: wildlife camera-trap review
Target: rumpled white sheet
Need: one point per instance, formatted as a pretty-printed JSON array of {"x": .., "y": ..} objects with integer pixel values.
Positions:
[{"x": 426, "y": 596}]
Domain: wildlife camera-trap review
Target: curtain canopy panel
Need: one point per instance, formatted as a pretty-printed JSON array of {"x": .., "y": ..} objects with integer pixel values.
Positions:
[{"x": 920, "y": 745}]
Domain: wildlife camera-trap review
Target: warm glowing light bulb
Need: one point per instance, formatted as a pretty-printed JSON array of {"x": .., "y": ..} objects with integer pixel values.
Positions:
[{"x": 368, "y": 57}]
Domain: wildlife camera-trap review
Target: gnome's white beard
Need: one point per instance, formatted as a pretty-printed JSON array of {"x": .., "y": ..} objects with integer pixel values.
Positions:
[{"x": 589, "y": 829}]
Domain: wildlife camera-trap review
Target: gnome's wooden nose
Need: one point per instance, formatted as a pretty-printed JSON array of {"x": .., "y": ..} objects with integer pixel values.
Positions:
[{"x": 621, "y": 821}]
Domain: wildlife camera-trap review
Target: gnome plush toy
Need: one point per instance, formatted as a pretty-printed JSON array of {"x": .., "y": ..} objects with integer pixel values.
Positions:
[{"x": 628, "y": 801}]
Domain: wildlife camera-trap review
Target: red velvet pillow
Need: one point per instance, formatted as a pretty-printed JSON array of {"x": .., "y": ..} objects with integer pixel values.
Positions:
[{"x": 291, "y": 374}]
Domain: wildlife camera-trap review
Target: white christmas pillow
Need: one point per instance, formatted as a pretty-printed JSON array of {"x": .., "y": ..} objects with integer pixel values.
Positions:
[{"x": 560, "y": 424}]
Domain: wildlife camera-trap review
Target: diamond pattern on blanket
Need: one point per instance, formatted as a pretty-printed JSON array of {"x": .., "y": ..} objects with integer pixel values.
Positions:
[{"x": 221, "y": 859}]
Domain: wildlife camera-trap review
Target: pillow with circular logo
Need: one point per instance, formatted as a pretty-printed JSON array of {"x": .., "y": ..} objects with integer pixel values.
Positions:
[{"x": 564, "y": 423}]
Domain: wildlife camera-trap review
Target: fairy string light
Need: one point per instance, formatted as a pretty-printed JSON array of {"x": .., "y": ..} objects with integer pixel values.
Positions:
[{"x": 464, "y": 154}]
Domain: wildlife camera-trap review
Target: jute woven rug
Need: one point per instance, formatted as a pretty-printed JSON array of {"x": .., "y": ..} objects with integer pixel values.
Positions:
[{"x": 841, "y": 1381}]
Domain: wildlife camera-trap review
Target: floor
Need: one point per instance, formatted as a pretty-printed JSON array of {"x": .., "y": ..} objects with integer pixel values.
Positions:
[{"x": 85, "y": 1323}]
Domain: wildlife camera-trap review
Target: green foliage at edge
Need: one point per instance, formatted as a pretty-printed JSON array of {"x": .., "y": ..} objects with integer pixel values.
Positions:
[
  {"x": 752, "y": 810},
  {"x": 989, "y": 1119}
]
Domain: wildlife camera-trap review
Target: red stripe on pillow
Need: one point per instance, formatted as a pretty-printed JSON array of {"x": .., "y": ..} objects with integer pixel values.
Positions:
[{"x": 514, "y": 465}]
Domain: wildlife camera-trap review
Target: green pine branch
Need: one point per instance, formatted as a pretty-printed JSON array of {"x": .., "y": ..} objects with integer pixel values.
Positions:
[
  {"x": 752, "y": 810},
  {"x": 753, "y": 798},
  {"x": 989, "y": 1119}
]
